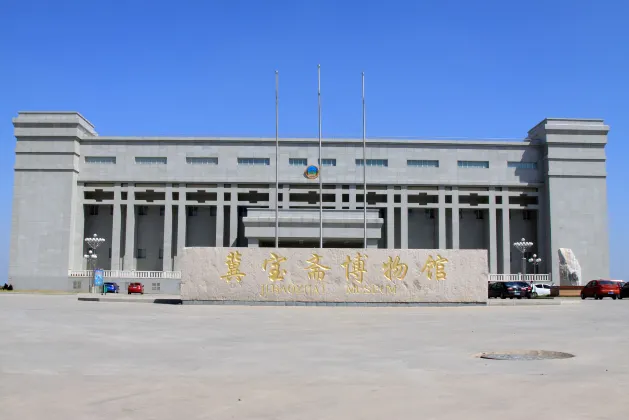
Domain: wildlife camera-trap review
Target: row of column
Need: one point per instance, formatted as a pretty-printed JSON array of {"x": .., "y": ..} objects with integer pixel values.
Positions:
[
  {"x": 129, "y": 240},
  {"x": 129, "y": 261},
  {"x": 442, "y": 238}
]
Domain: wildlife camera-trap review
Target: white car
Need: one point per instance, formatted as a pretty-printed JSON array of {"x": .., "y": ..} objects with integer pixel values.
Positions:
[{"x": 542, "y": 289}]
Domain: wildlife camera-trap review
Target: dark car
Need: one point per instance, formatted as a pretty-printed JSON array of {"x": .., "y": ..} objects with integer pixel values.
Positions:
[
  {"x": 111, "y": 287},
  {"x": 526, "y": 287},
  {"x": 509, "y": 289},
  {"x": 598, "y": 289},
  {"x": 624, "y": 291}
]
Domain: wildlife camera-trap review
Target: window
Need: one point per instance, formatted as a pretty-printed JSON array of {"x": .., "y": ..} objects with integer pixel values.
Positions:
[
  {"x": 527, "y": 215},
  {"x": 109, "y": 252},
  {"x": 328, "y": 162},
  {"x": 479, "y": 214},
  {"x": 76, "y": 284},
  {"x": 92, "y": 210},
  {"x": 141, "y": 253},
  {"x": 143, "y": 210},
  {"x": 522, "y": 165},
  {"x": 430, "y": 213},
  {"x": 297, "y": 162},
  {"x": 483, "y": 164},
  {"x": 155, "y": 287},
  {"x": 193, "y": 211},
  {"x": 254, "y": 161},
  {"x": 101, "y": 159},
  {"x": 202, "y": 160},
  {"x": 161, "y": 253},
  {"x": 162, "y": 209},
  {"x": 151, "y": 160},
  {"x": 373, "y": 162},
  {"x": 423, "y": 163}
]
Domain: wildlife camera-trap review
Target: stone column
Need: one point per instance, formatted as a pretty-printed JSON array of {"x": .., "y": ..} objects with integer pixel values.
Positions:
[
  {"x": 116, "y": 226},
  {"x": 181, "y": 223},
  {"x": 442, "y": 218},
  {"x": 455, "y": 218},
  {"x": 285, "y": 197},
  {"x": 493, "y": 247},
  {"x": 338, "y": 197},
  {"x": 233, "y": 213},
  {"x": 506, "y": 235},
  {"x": 540, "y": 241},
  {"x": 352, "y": 197},
  {"x": 390, "y": 217},
  {"x": 79, "y": 231},
  {"x": 167, "y": 261},
  {"x": 404, "y": 219},
  {"x": 220, "y": 214},
  {"x": 129, "y": 253}
]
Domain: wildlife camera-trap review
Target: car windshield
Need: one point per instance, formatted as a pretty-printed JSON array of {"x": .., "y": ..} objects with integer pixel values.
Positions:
[
  {"x": 606, "y": 283},
  {"x": 517, "y": 283}
]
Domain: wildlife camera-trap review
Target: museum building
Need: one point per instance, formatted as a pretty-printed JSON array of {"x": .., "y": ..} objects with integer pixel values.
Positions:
[{"x": 148, "y": 197}]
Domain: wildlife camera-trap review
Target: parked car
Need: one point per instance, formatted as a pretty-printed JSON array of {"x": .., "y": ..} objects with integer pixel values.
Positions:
[
  {"x": 135, "y": 288},
  {"x": 510, "y": 290},
  {"x": 111, "y": 287},
  {"x": 542, "y": 289},
  {"x": 527, "y": 288},
  {"x": 624, "y": 291},
  {"x": 598, "y": 289}
]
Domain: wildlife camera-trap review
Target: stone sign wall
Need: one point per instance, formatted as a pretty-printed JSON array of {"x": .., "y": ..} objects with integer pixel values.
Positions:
[{"x": 334, "y": 275}]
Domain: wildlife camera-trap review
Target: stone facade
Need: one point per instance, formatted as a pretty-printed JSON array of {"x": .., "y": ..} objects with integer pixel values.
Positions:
[
  {"x": 150, "y": 197},
  {"x": 334, "y": 275}
]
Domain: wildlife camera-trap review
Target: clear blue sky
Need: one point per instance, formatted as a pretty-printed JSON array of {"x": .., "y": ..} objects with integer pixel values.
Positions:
[{"x": 434, "y": 68}]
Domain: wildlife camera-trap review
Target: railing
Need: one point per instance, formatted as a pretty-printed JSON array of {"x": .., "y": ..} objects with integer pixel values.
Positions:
[
  {"x": 535, "y": 278},
  {"x": 128, "y": 274}
]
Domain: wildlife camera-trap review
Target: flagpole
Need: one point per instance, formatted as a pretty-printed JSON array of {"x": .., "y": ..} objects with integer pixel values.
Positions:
[
  {"x": 364, "y": 166},
  {"x": 320, "y": 162},
  {"x": 277, "y": 166}
]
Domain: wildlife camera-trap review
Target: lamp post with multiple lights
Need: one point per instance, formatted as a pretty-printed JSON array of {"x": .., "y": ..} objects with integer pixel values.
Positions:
[
  {"x": 93, "y": 242},
  {"x": 535, "y": 260},
  {"x": 523, "y": 246}
]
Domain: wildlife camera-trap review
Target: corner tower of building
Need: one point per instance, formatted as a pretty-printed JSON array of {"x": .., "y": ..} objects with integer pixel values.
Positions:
[
  {"x": 46, "y": 207},
  {"x": 575, "y": 196}
]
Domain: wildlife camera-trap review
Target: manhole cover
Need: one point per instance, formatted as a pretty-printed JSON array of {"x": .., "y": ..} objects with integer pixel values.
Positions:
[{"x": 526, "y": 355}]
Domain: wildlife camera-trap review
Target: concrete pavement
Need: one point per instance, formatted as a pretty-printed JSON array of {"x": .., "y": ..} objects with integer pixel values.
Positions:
[{"x": 62, "y": 358}]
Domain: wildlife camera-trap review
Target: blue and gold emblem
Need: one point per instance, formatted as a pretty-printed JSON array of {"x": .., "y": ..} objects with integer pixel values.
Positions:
[{"x": 311, "y": 172}]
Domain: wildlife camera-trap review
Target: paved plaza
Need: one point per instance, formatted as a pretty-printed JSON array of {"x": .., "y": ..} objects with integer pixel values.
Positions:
[{"x": 65, "y": 359}]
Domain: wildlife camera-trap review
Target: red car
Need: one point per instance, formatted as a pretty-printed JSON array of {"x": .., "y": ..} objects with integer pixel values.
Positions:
[
  {"x": 598, "y": 289},
  {"x": 136, "y": 288}
]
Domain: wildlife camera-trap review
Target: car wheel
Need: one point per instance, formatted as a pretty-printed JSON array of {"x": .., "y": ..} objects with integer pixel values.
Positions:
[
  {"x": 502, "y": 296},
  {"x": 595, "y": 296},
  {"x": 614, "y": 297},
  {"x": 620, "y": 297},
  {"x": 582, "y": 296}
]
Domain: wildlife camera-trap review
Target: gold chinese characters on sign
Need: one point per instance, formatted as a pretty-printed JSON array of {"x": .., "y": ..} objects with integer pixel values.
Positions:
[
  {"x": 316, "y": 270},
  {"x": 273, "y": 267},
  {"x": 355, "y": 268},
  {"x": 435, "y": 268},
  {"x": 394, "y": 269},
  {"x": 233, "y": 267}
]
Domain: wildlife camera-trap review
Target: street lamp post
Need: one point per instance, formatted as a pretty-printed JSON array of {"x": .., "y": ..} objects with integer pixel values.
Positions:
[
  {"x": 92, "y": 242},
  {"x": 523, "y": 246},
  {"x": 535, "y": 261}
]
